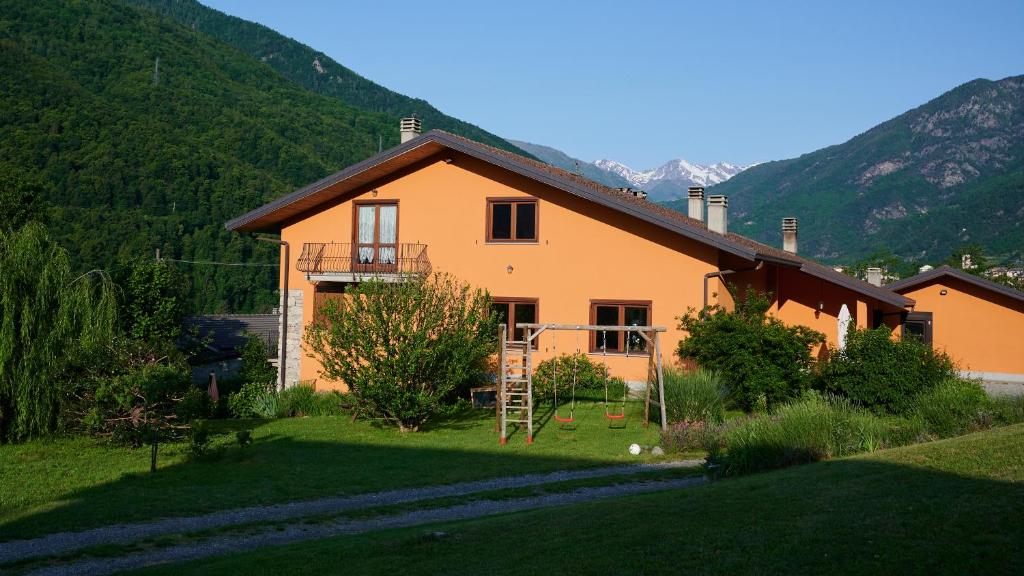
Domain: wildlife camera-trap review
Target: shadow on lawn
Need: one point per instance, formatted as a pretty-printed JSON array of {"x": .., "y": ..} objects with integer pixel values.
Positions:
[
  {"x": 855, "y": 516},
  {"x": 282, "y": 466}
]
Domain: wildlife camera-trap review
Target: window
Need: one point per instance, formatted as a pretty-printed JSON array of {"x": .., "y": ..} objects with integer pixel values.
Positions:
[
  {"x": 520, "y": 310},
  {"x": 511, "y": 220},
  {"x": 918, "y": 325},
  {"x": 376, "y": 235},
  {"x": 611, "y": 313}
]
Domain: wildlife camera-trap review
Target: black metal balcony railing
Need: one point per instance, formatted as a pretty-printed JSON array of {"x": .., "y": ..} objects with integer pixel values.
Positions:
[{"x": 340, "y": 258}]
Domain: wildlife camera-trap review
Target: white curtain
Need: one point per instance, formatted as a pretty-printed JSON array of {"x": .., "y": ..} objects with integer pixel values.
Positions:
[
  {"x": 843, "y": 326},
  {"x": 388, "y": 232},
  {"x": 366, "y": 233}
]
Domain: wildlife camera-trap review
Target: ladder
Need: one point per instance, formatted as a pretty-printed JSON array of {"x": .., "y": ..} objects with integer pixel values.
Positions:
[{"x": 515, "y": 388}]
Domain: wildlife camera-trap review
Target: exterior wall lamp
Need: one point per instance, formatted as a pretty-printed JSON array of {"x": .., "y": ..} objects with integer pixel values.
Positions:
[{"x": 509, "y": 269}]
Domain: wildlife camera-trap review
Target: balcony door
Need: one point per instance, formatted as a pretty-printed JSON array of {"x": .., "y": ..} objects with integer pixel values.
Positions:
[{"x": 376, "y": 236}]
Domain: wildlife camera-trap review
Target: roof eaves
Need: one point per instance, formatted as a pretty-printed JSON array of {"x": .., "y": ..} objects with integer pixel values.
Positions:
[
  {"x": 310, "y": 189},
  {"x": 876, "y": 292},
  {"x": 947, "y": 270}
]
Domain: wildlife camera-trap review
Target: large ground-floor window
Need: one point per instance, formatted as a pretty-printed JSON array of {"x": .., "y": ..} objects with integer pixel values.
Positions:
[
  {"x": 513, "y": 311},
  {"x": 619, "y": 313}
]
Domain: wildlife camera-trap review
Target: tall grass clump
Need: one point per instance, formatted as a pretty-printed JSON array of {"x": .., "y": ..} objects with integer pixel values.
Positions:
[
  {"x": 952, "y": 407},
  {"x": 697, "y": 396},
  {"x": 305, "y": 401},
  {"x": 813, "y": 428}
]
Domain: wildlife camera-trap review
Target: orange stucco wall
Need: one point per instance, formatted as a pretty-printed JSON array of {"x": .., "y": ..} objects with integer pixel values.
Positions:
[
  {"x": 981, "y": 330},
  {"x": 585, "y": 252}
]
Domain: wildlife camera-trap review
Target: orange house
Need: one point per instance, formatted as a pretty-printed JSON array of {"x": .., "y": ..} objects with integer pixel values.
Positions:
[
  {"x": 549, "y": 246},
  {"x": 951, "y": 307}
]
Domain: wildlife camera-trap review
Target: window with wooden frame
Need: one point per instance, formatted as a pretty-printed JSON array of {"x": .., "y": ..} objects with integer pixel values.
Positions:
[
  {"x": 512, "y": 220},
  {"x": 513, "y": 311},
  {"x": 619, "y": 313}
]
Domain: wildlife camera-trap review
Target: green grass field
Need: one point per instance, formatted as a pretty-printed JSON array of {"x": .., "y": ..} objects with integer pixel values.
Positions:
[
  {"x": 948, "y": 507},
  {"x": 70, "y": 484}
]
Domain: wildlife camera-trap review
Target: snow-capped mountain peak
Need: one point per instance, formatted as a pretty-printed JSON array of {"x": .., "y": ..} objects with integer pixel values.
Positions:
[{"x": 678, "y": 171}]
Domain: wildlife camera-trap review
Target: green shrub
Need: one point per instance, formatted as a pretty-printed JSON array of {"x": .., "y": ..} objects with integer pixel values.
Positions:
[
  {"x": 244, "y": 438},
  {"x": 251, "y": 401},
  {"x": 806, "y": 430},
  {"x": 955, "y": 406},
  {"x": 403, "y": 348},
  {"x": 762, "y": 361},
  {"x": 256, "y": 367},
  {"x": 304, "y": 401},
  {"x": 877, "y": 372},
  {"x": 697, "y": 396},
  {"x": 590, "y": 375},
  {"x": 195, "y": 405},
  {"x": 199, "y": 439}
]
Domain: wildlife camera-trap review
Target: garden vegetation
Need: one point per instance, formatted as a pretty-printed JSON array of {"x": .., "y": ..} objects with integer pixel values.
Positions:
[{"x": 404, "y": 348}]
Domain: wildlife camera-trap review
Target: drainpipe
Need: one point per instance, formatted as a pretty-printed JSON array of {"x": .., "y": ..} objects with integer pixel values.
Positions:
[
  {"x": 282, "y": 362},
  {"x": 721, "y": 273}
]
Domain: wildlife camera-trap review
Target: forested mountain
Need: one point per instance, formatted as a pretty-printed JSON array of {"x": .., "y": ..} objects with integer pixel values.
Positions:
[
  {"x": 943, "y": 175},
  {"x": 146, "y": 134},
  {"x": 311, "y": 69}
]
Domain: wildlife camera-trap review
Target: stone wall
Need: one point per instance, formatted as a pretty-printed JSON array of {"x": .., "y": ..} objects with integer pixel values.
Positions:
[{"x": 293, "y": 337}]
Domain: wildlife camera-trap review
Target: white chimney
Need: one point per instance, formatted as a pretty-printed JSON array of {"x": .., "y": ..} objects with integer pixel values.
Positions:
[
  {"x": 696, "y": 202},
  {"x": 718, "y": 214},
  {"x": 789, "y": 226},
  {"x": 875, "y": 276},
  {"x": 409, "y": 128}
]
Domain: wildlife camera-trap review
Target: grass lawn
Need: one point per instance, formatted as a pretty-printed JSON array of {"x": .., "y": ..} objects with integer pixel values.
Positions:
[
  {"x": 77, "y": 483},
  {"x": 954, "y": 506}
]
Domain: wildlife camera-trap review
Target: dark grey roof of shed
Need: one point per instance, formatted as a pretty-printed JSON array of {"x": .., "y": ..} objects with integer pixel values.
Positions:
[{"x": 227, "y": 332}]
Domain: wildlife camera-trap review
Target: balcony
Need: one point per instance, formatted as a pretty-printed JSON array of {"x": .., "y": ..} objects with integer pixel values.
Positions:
[{"x": 338, "y": 262}]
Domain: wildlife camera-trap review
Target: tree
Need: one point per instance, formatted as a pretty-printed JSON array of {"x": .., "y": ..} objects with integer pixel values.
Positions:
[
  {"x": 891, "y": 265},
  {"x": 401, "y": 348},
  {"x": 52, "y": 325},
  {"x": 155, "y": 297},
  {"x": 761, "y": 360},
  {"x": 21, "y": 201}
]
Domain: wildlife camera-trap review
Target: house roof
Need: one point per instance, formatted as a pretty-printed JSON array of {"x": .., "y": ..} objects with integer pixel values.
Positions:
[
  {"x": 944, "y": 271},
  {"x": 271, "y": 216},
  {"x": 224, "y": 335}
]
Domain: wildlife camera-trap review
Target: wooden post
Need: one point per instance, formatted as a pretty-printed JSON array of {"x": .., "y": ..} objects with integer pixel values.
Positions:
[
  {"x": 651, "y": 374},
  {"x": 503, "y": 368},
  {"x": 661, "y": 383},
  {"x": 529, "y": 386}
]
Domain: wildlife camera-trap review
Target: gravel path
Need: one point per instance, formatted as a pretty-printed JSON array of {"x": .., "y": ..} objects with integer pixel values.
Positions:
[
  {"x": 65, "y": 542},
  {"x": 300, "y": 532}
]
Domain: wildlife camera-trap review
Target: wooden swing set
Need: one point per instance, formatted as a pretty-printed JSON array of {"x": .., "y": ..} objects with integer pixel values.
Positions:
[{"x": 515, "y": 387}]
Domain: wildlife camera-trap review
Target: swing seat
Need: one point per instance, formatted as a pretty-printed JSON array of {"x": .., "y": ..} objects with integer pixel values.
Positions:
[
  {"x": 611, "y": 416},
  {"x": 567, "y": 420}
]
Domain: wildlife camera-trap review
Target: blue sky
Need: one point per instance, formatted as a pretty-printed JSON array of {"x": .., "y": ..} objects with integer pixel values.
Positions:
[{"x": 644, "y": 82}]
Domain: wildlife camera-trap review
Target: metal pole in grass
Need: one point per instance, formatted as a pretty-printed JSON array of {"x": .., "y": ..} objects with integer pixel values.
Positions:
[{"x": 152, "y": 456}]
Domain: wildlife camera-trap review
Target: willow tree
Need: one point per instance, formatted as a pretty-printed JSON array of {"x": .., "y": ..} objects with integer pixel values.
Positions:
[{"x": 52, "y": 323}]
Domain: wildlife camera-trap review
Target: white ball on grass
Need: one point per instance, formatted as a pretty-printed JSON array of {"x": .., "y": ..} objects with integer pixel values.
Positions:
[{"x": 634, "y": 449}]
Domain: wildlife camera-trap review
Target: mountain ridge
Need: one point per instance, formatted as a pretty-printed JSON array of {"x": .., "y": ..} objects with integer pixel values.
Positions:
[
  {"x": 939, "y": 176},
  {"x": 313, "y": 69}
]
